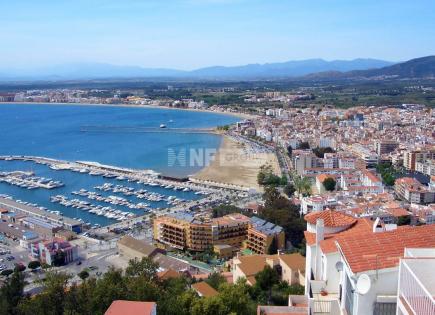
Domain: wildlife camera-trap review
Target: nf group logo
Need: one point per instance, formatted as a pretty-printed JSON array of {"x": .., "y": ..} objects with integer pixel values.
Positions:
[{"x": 190, "y": 157}]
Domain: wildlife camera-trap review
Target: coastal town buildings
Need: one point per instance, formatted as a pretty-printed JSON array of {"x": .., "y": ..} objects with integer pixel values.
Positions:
[
  {"x": 413, "y": 191},
  {"x": 343, "y": 252},
  {"x": 290, "y": 267},
  {"x": 55, "y": 251},
  {"x": 185, "y": 232}
]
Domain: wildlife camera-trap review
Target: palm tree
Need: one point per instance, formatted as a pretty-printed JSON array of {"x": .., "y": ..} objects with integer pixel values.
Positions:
[{"x": 302, "y": 185}]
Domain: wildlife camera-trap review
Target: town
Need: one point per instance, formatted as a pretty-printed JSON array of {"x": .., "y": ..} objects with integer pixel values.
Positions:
[{"x": 342, "y": 223}]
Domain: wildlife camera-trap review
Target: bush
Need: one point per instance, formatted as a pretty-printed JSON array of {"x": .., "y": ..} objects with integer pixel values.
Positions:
[
  {"x": 6, "y": 272},
  {"x": 329, "y": 184},
  {"x": 83, "y": 274},
  {"x": 34, "y": 264}
]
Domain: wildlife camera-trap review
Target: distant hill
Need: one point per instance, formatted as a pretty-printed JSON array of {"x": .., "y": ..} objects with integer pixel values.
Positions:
[
  {"x": 415, "y": 68},
  {"x": 251, "y": 71},
  {"x": 423, "y": 67},
  {"x": 289, "y": 69}
]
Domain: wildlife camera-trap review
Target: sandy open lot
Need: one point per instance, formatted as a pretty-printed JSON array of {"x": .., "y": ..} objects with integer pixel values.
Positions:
[{"x": 237, "y": 163}]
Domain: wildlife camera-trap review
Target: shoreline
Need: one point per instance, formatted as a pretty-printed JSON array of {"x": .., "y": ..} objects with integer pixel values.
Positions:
[
  {"x": 239, "y": 115},
  {"x": 235, "y": 164},
  {"x": 222, "y": 149}
]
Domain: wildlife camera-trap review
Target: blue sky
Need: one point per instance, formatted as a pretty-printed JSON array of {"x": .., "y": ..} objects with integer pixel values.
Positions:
[{"x": 187, "y": 34}]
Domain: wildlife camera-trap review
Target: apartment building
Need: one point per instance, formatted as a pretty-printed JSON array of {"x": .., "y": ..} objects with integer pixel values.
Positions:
[
  {"x": 317, "y": 203},
  {"x": 369, "y": 269},
  {"x": 261, "y": 234},
  {"x": 352, "y": 264},
  {"x": 47, "y": 251},
  {"x": 413, "y": 191},
  {"x": 416, "y": 288},
  {"x": 368, "y": 156},
  {"x": 185, "y": 232},
  {"x": 385, "y": 146},
  {"x": 412, "y": 157},
  {"x": 426, "y": 167}
]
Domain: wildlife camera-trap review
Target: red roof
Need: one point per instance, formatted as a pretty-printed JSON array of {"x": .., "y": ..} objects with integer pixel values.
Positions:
[
  {"x": 328, "y": 245},
  {"x": 372, "y": 251},
  {"x": 330, "y": 218},
  {"x": 121, "y": 307}
]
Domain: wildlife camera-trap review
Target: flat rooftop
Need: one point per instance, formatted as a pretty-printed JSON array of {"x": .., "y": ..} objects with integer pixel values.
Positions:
[{"x": 11, "y": 204}]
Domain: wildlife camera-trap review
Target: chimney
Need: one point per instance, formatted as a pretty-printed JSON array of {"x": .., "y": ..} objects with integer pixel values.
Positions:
[
  {"x": 378, "y": 226},
  {"x": 320, "y": 231},
  {"x": 320, "y": 236}
]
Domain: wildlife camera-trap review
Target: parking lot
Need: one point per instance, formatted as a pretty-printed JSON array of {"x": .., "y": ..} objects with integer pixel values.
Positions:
[{"x": 11, "y": 253}]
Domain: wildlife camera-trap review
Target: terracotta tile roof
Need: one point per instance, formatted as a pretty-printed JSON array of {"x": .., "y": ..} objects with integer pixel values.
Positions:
[
  {"x": 281, "y": 310},
  {"x": 371, "y": 251},
  {"x": 204, "y": 289},
  {"x": 293, "y": 261},
  {"x": 323, "y": 177},
  {"x": 372, "y": 177},
  {"x": 331, "y": 218},
  {"x": 361, "y": 226},
  {"x": 168, "y": 274},
  {"x": 121, "y": 307},
  {"x": 251, "y": 280},
  {"x": 252, "y": 264},
  {"x": 397, "y": 212}
]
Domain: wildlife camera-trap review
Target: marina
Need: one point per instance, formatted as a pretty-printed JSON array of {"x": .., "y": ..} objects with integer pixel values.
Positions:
[
  {"x": 102, "y": 195},
  {"x": 28, "y": 180}
]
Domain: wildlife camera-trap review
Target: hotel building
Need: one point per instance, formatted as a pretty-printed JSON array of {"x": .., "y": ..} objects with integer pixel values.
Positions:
[{"x": 185, "y": 232}]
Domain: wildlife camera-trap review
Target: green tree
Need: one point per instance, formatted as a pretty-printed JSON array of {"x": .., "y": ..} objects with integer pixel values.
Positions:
[
  {"x": 7, "y": 272},
  {"x": 223, "y": 209},
  {"x": 34, "y": 264},
  {"x": 404, "y": 220},
  {"x": 111, "y": 286},
  {"x": 215, "y": 279},
  {"x": 53, "y": 299},
  {"x": 59, "y": 259},
  {"x": 320, "y": 152},
  {"x": 11, "y": 293},
  {"x": 304, "y": 145},
  {"x": 289, "y": 190},
  {"x": 83, "y": 274},
  {"x": 302, "y": 185},
  {"x": 267, "y": 177},
  {"x": 266, "y": 279},
  {"x": 145, "y": 267},
  {"x": 280, "y": 211},
  {"x": 329, "y": 184},
  {"x": 289, "y": 151},
  {"x": 273, "y": 247}
]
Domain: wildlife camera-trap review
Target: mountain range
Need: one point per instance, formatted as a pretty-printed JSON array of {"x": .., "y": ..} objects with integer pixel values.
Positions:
[
  {"x": 305, "y": 69},
  {"x": 76, "y": 71}
]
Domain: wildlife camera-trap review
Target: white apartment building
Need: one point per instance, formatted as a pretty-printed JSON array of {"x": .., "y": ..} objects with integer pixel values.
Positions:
[
  {"x": 317, "y": 203},
  {"x": 355, "y": 263},
  {"x": 416, "y": 288}
]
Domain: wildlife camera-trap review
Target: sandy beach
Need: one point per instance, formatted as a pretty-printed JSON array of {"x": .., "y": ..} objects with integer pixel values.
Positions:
[
  {"x": 239, "y": 115},
  {"x": 238, "y": 164}
]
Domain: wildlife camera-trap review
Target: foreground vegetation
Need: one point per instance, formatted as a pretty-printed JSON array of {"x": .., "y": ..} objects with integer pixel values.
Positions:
[{"x": 139, "y": 282}]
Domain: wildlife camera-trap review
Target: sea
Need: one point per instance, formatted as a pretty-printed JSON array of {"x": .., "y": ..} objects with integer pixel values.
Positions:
[{"x": 114, "y": 135}]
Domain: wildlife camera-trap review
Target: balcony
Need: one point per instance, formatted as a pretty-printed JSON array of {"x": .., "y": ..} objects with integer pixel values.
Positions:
[
  {"x": 416, "y": 286},
  {"x": 320, "y": 304}
]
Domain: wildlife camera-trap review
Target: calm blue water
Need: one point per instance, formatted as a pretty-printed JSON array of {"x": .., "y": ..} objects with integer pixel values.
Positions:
[{"x": 55, "y": 131}]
